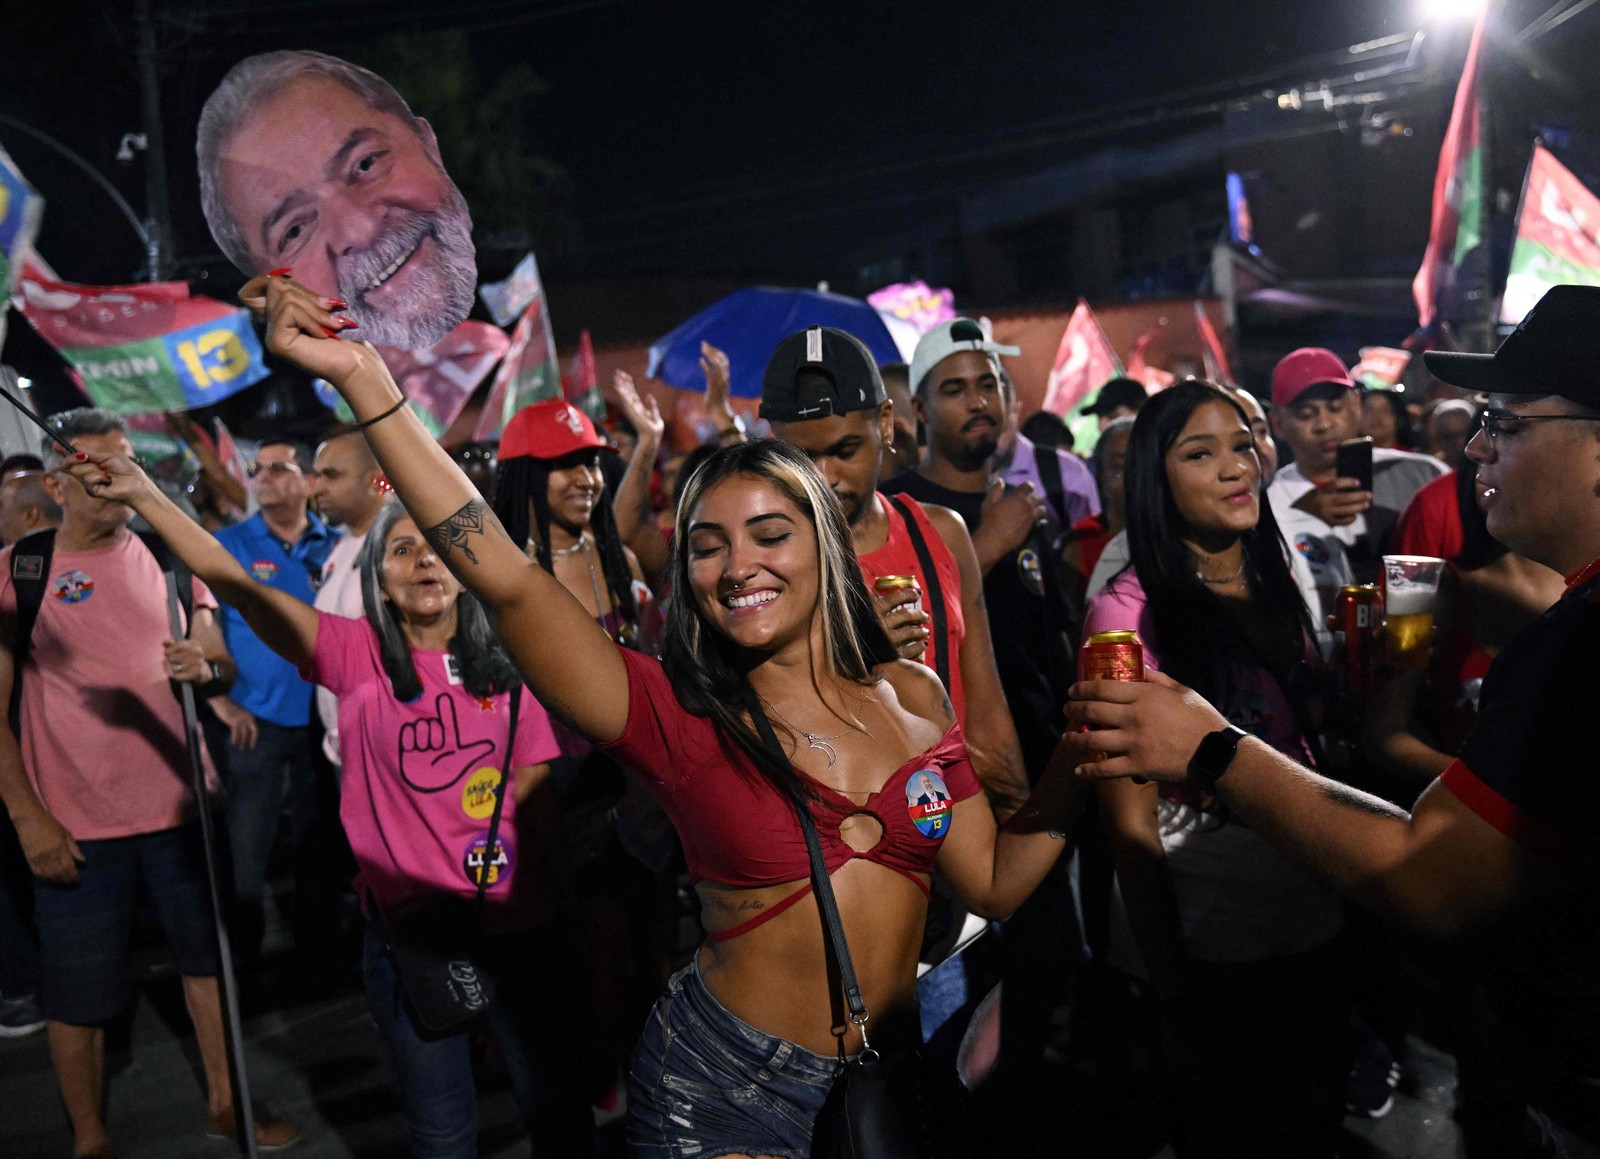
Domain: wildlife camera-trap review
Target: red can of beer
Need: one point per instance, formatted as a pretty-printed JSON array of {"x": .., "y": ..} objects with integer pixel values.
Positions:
[
  {"x": 1358, "y": 633},
  {"x": 1113, "y": 656}
]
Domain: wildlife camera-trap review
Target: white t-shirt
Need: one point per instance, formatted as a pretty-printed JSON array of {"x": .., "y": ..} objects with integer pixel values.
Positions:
[{"x": 339, "y": 595}]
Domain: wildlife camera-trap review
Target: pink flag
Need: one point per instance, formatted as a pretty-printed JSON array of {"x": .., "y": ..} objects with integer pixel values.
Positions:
[
  {"x": 1212, "y": 353},
  {"x": 1457, "y": 191},
  {"x": 1154, "y": 378},
  {"x": 1084, "y": 360},
  {"x": 582, "y": 381}
]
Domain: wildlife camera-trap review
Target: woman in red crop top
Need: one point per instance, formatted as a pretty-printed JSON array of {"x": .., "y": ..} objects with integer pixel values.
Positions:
[{"x": 769, "y": 614}]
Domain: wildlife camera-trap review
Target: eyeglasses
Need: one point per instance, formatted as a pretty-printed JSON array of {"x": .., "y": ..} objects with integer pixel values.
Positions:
[
  {"x": 257, "y": 469},
  {"x": 1500, "y": 422}
]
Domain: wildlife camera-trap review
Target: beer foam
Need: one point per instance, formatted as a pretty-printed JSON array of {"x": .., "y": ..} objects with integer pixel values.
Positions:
[{"x": 1409, "y": 601}]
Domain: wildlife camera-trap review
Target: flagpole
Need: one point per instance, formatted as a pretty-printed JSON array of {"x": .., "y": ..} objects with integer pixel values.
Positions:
[{"x": 1489, "y": 306}]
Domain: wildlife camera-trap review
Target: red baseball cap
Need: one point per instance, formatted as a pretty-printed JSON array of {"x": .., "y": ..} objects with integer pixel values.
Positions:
[
  {"x": 549, "y": 430},
  {"x": 1300, "y": 370}
]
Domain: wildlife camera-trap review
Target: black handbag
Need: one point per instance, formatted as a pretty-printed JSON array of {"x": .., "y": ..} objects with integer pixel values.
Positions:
[
  {"x": 861, "y": 1118},
  {"x": 439, "y": 948}
]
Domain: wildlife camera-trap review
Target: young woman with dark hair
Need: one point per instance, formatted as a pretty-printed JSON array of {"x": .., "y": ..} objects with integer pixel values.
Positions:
[
  {"x": 1238, "y": 945},
  {"x": 424, "y": 718},
  {"x": 770, "y": 618}
]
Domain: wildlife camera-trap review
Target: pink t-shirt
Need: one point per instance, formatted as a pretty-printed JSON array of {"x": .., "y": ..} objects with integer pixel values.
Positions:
[
  {"x": 102, "y": 731},
  {"x": 418, "y": 783}
]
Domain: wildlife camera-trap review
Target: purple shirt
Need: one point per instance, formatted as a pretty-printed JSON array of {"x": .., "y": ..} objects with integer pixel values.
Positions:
[{"x": 1080, "y": 498}]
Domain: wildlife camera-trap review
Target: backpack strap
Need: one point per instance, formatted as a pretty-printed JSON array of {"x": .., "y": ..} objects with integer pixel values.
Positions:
[
  {"x": 1050, "y": 475},
  {"x": 30, "y": 571},
  {"x": 936, "y": 609}
]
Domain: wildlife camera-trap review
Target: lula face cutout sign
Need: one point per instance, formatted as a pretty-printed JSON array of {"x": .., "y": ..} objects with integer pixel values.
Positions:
[{"x": 310, "y": 162}]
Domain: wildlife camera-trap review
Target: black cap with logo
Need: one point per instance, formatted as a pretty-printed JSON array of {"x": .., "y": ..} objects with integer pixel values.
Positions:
[{"x": 819, "y": 372}]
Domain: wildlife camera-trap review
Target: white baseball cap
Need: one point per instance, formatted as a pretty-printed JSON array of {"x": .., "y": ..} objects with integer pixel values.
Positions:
[{"x": 949, "y": 338}]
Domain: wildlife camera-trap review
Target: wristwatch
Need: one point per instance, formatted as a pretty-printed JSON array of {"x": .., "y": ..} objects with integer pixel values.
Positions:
[{"x": 1213, "y": 756}]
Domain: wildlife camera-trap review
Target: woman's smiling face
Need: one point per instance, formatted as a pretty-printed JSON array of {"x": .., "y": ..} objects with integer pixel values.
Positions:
[{"x": 752, "y": 563}]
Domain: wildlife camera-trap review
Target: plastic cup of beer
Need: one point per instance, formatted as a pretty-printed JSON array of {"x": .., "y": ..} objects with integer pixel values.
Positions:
[{"x": 1411, "y": 589}]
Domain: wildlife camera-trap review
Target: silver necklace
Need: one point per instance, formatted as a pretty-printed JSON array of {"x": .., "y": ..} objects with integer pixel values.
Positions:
[
  {"x": 820, "y": 743},
  {"x": 581, "y": 545},
  {"x": 1205, "y": 579}
]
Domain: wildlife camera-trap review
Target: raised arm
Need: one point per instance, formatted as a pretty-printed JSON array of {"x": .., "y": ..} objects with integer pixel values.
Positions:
[
  {"x": 636, "y": 524},
  {"x": 567, "y": 660},
  {"x": 284, "y": 624}
]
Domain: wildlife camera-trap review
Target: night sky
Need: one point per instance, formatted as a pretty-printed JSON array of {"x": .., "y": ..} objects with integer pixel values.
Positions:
[{"x": 657, "y": 107}]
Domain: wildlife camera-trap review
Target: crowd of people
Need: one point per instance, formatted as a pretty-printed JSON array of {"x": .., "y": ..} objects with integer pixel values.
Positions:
[{"x": 510, "y": 716}]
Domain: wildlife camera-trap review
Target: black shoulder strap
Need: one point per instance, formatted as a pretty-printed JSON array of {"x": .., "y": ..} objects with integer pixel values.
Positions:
[
  {"x": 1050, "y": 475},
  {"x": 930, "y": 574},
  {"x": 30, "y": 571},
  {"x": 500, "y": 793},
  {"x": 822, "y": 886}
]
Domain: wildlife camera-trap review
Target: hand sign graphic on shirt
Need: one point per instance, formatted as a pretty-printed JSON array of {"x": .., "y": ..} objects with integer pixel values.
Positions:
[{"x": 432, "y": 754}]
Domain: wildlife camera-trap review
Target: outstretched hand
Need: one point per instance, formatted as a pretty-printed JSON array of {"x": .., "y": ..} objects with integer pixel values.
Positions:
[
  {"x": 111, "y": 477},
  {"x": 642, "y": 413},
  {"x": 303, "y": 327},
  {"x": 719, "y": 382},
  {"x": 1147, "y": 729}
]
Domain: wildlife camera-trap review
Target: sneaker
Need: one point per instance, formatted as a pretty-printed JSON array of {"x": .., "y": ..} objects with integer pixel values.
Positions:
[
  {"x": 19, "y": 1017},
  {"x": 1369, "y": 1091},
  {"x": 271, "y": 1134}
]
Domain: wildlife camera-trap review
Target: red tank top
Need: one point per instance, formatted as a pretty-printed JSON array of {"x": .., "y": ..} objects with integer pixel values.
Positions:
[
  {"x": 738, "y": 830},
  {"x": 898, "y": 556}
]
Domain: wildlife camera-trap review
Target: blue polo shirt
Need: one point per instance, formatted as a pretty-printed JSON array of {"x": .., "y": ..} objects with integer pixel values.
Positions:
[{"x": 269, "y": 687}]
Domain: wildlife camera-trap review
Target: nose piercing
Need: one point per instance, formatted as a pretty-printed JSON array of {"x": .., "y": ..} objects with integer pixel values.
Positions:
[{"x": 737, "y": 584}]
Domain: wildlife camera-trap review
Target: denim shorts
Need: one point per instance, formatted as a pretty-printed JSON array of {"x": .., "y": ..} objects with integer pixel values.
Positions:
[
  {"x": 704, "y": 1084},
  {"x": 86, "y": 975}
]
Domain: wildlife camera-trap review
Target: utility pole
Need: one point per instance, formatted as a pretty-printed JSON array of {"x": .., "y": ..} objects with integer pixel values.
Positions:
[{"x": 158, "y": 226}]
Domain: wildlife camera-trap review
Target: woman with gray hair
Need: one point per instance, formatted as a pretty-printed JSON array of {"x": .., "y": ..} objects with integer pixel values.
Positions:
[{"x": 425, "y": 717}]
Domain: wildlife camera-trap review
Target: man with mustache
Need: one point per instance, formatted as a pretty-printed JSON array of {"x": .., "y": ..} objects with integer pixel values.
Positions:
[{"x": 313, "y": 164}]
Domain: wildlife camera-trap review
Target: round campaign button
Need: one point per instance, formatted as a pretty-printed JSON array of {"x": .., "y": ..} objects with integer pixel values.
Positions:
[
  {"x": 928, "y": 801},
  {"x": 477, "y": 795},
  {"x": 499, "y": 866},
  {"x": 72, "y": 587},
  {"x": 264, "y": 570}
]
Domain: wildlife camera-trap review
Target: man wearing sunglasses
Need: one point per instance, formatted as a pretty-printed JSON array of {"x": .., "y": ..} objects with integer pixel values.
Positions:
[
  {"x": 268, "y": 712},
  {"x": 1500, "y": 850}
]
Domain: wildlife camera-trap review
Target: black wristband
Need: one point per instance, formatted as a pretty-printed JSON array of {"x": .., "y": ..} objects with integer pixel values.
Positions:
[
  {"x": 395, "y": 409},
  {"x": 1214, "y": 755}
]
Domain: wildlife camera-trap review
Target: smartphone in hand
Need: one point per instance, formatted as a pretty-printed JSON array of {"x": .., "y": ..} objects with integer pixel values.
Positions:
[{"x": 1353, "y": 460}]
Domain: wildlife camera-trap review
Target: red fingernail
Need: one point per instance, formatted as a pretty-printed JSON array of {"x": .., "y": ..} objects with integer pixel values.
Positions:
[
  {"x": 350, "y": 323},
  {"x": 80, "y": 457},
  {"x": 282, "y": 272},
  {"x": 330, "y": 333},
  {"x": 338, "y": 304}
]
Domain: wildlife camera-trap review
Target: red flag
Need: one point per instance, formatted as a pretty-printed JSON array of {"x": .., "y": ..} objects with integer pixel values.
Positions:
[
  {"x": 582, "y": 381},
  {"x": 1457, "y": 190},
  {"x": 528, "y": 374},
  {"x": 1212, "y": 353},
  {"x": 1084, "y": 361},
  {"x": 1558, "y": 236},
  {"x": 1154, "y": 378}
]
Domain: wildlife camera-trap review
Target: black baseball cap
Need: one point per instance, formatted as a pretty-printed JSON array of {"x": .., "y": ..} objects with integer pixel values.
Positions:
[
  {"x": 839, "y": 376},
  {"x": 1554, "y": 350}
]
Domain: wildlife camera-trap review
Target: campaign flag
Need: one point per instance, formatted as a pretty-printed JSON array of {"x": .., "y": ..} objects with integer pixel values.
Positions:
[
  {"x": 529, "y": 373},
  {"x": 146, "y": 347},
  {"x": 20, "y": 210},
  {"x": 1154, "y": 378},
  {"x": 1457, "y": 191},
  {"x": 437, "y": 382},
  {"x": 1213, "y": 355},
  {"x": 509, "y": 300},
  {"x": 582, "y": 384},
  {"x": 1084, "y": 361},
  {"x": 1381, "y": 367},
  {"x": 1558, "y": 236}
]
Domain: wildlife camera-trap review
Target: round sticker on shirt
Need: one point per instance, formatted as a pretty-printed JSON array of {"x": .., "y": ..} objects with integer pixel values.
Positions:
[
  {"x": 928, "y": 801},
  {"x": 499, "y": 865},
  {"x": 264, "y": 570},
  {"x": 477, "y": 795},
  {"x": 1314, "y": 550},
  {"x": 1028, "y": 568},
  {"x": 72, "y": 587}
]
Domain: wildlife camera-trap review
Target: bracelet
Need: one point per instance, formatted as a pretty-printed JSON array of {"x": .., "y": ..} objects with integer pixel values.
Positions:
[{"x": 395, "y": 409}]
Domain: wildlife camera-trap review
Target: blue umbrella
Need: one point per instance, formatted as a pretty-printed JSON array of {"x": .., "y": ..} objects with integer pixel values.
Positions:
[{"x": 748, "y": 323}]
